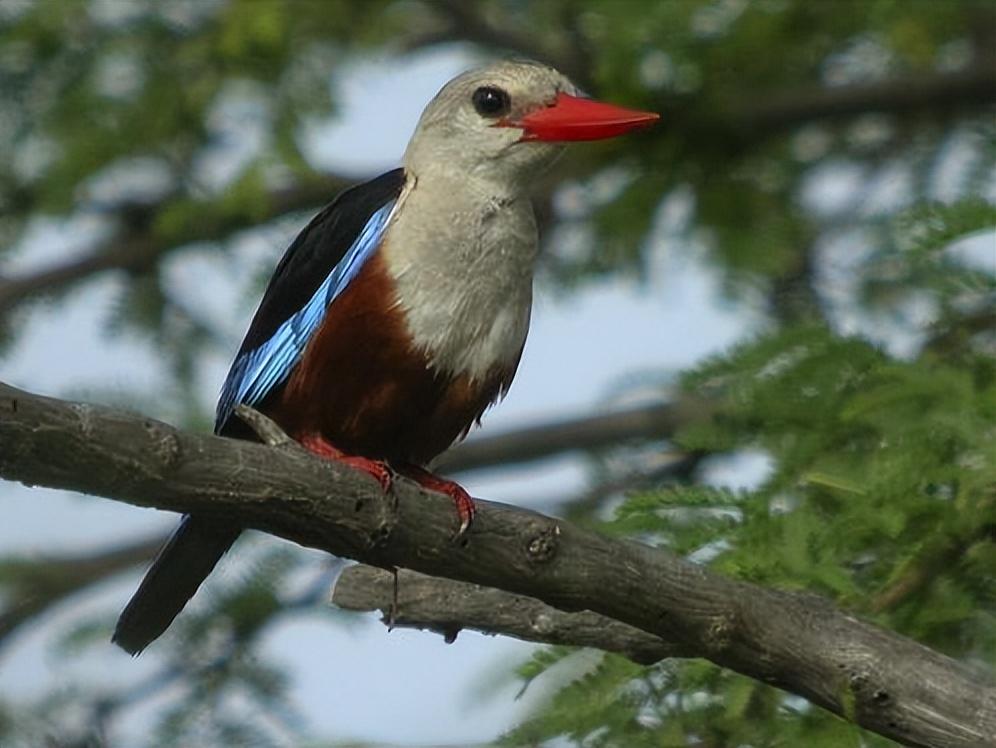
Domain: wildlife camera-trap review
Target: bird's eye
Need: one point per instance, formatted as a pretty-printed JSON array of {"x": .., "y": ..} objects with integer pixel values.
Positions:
[{"x": 491, "y": 102}]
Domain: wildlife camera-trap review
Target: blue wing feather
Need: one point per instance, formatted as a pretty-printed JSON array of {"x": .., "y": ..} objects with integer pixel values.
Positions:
[{"x": 257, "y": 372}]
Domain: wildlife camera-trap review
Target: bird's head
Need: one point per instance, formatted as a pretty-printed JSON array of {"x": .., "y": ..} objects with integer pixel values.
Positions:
[{"x": 506, "y": 122}]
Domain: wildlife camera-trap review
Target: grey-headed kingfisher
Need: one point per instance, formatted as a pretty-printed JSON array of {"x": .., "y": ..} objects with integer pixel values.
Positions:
[{"x": 399, "y": 314}]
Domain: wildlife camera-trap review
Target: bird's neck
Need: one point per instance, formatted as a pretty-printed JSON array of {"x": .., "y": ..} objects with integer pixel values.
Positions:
[
  {"x": 461, "y": 254},
  {"x": 478, "y": 184}
]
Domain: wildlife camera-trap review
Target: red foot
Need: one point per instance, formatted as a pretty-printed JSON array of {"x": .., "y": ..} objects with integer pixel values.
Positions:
[
  {"x": 378, "y": 469},
  {"x": 464, "y": 504}
]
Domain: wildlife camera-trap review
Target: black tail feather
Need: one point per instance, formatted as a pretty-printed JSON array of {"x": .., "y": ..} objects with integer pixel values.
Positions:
[{"x": 182, "y": 564}]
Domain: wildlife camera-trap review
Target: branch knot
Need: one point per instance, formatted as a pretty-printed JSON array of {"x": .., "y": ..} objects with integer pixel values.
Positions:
[{"x": 542, "y": 547}]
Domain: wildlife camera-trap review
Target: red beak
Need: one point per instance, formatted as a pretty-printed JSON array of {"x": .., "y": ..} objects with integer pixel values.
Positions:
[{"x": 574, "y": 118}]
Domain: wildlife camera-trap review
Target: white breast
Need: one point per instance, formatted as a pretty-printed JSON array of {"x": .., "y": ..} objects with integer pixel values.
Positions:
[{"x": 462, "y": 261}]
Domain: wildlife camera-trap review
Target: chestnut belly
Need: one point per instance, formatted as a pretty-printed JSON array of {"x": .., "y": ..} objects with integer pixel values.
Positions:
[{"x": 362, "y": 386}]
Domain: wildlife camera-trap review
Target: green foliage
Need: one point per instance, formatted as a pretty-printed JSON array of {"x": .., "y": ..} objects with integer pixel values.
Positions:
[
  {"x": 880, "y": 496},
  {"x": 881, "y": 488},
  {"x": 602, "y": 700},
  {"x": 915, "y": 256}
]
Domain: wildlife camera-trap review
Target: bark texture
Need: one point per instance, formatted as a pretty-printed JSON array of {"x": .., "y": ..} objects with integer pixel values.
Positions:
[{"x": 412, "y": 600}]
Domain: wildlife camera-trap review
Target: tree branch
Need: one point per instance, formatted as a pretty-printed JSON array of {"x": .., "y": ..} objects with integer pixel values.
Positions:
[
  {"x": 137, "y": 247},
  {"x": 464, "y": 22},
  {"x": 878, "y": 679},
  {"x": 654, "y": 421},
  {"x": 970, "y": 87},
  {"x": 445, "y": 607},
  {"x": 46, "y": 582}
]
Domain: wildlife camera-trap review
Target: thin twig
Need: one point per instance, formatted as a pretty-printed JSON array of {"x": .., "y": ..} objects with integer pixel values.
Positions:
[{"x": 265, "y": 428}]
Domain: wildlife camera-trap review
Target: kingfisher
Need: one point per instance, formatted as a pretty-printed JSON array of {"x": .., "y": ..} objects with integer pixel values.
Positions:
[{"x": 399, "y": 313}]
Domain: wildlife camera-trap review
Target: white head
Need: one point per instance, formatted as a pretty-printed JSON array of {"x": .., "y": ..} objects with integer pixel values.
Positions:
[{"x": 506, "y": 122}]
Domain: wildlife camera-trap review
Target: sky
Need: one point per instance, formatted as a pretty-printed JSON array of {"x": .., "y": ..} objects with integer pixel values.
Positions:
[{"x": 359, "y": 681}]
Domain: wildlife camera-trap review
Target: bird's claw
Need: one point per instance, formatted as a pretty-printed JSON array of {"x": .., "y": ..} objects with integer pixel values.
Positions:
[
  {"x": 465, "y": 511},
  {"x": 379, "y": 470},
  {"x": 461, "y": 499}
]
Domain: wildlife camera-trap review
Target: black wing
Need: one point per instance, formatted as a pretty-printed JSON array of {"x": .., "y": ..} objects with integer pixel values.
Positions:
[{"x": 324, "y": 256}]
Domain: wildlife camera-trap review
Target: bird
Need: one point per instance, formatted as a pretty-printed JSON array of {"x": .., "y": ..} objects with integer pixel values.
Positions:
[{"x": 399, "y": 313}]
